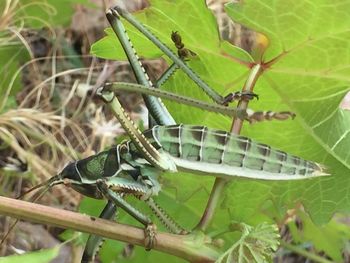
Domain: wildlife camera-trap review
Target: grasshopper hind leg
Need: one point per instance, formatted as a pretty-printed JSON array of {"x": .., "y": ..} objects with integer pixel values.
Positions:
[
  {"x": 259, "y": 116},
  {"x": 167, "y": 221}
]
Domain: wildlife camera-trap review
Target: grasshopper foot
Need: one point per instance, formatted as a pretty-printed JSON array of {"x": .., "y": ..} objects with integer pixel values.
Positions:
[
  {"x": 258, "y": 116},
  {"x": 150, "y": 236},
  {"x": 240, "y": 95}
]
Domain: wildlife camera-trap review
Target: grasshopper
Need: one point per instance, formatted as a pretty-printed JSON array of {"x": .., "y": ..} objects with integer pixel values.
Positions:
[{"x": 133, "y": 167}]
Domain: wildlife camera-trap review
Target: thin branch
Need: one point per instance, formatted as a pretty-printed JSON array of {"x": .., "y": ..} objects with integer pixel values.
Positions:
[
  {"x": 214, "y": 197},
  {"x": 236, "y": 127},
  {"x": 186, "y": 247},
  {"x": 243, "y": 105}
]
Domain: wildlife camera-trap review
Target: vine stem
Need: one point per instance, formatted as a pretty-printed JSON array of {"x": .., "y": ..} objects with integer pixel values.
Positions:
[
  {"x": 304, "y": 253},
  {"x": 236, "y": 127},
  {"x": 189, "y": 247}
]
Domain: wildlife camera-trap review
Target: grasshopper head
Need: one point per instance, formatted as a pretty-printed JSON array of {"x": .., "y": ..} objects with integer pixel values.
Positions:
[
  {"x": 71, "y": 173},
  {"x": 72, "y": 176}
]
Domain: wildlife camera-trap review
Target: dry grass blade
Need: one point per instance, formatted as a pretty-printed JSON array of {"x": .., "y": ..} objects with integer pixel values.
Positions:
[{"x": 27, "y": 131}]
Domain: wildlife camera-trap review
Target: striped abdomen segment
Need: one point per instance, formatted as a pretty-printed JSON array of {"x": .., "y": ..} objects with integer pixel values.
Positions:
[{"x": 199, "y": 149}]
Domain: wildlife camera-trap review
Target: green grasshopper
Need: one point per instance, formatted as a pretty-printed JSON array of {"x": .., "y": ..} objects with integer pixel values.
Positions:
[{"x": 133, "y": 167}]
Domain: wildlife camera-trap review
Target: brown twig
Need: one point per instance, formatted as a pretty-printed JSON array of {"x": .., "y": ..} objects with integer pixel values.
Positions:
[{"x": 184, "y": 246}]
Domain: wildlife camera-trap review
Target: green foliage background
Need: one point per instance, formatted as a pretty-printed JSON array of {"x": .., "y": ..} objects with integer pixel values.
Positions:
[
  {"x": 310, "y": 78},
  {"x": 310, "y": 42}
]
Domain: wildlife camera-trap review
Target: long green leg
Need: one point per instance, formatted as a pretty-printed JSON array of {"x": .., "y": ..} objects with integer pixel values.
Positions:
[
  {"x": 93, "y": 243},
  {"x": 248, "y": 115},
  {"x": 155, "y": 106},
  {"x": 167, "y": 221},
  {"x": 186, "y": 54},
  {"x": 148, "y": 176},
  {"x": 116, "y": 11},
  {"x": 171, "y": 69},
  {"x": 183, "y": 53},
  {"x": 157, "y": 109},
  {"x": 166, "y": 75},
  {"x": 123, "y": 86},
  {"x": 118, "y": 200},
  {"x": 145, "y": 187}
]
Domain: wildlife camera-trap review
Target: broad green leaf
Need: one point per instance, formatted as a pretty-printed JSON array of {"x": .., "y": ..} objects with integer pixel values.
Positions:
[
  {"x": 45, "y": 13},
  {"x": 168, "y": 15},
  {"x": 42, "y": 256},
  {"x": 329, "y": 238},
  {"x": 11, "y": 57},
  {"x": 256, "y": 244},
  {"x": 199, "y": 27},
  {"x": 310, "y": 77}
]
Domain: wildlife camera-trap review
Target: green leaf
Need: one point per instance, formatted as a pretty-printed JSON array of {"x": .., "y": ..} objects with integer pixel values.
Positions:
[
  {"x": 111, "y": 252},
  {"x": 11, "y": 57},
  {"x": 42, "y": 256},
  {"x": 309, "y": 76},
  {"x": 44, "y": 13},
  {"x": 256, "y": 244},
  {"x": 170, "y": 16}
]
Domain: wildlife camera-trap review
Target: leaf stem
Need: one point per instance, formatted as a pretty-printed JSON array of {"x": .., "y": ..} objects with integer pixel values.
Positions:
[
  {"x": 208, "y": 214},
  {"x": 255, "y": 73},
  {"x": 193, "y": 248},
  {"x": 236, "y": 127}
]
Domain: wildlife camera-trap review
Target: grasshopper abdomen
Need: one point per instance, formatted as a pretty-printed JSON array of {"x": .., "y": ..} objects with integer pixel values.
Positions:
[{"x": 202, "y": 150}]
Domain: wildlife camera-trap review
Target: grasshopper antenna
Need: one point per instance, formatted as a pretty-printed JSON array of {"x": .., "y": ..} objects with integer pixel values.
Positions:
[{"x": 48, "y": 184}]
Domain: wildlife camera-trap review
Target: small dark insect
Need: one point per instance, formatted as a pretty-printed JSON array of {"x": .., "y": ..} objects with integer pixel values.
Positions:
[{"x": 183, "y": 53}]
